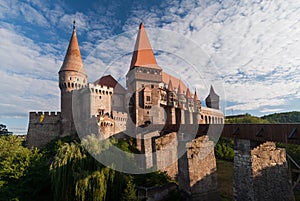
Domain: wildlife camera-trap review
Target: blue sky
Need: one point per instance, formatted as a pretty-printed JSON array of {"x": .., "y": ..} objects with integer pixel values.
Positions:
[{"x": 252, "y": 48}]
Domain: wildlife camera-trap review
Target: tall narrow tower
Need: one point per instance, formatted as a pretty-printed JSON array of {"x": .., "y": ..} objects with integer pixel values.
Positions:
[
  {"x": 212, "y": 100},
  {"x": 143, "y": 76},
  {"x": 72, "y": 76}
]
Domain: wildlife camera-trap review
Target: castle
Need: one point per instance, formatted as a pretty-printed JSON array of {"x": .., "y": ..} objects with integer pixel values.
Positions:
[{"x": 151, "y": 97}]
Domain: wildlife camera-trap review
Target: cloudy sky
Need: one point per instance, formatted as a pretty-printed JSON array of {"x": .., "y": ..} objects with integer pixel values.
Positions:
[{"x": 249, "y": 50}]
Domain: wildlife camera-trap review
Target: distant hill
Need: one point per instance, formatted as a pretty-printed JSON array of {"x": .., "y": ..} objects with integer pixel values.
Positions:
[
  {"x": 285, "y": 117},
  {"x": 245, "y": 119}
]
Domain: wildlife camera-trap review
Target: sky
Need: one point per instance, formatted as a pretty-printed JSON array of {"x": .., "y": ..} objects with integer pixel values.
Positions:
[{"x": 248, "y": 50}]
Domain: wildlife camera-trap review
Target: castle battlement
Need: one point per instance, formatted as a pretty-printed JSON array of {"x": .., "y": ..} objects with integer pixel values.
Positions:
[
  {"x": 43, "y": 127},
  {"x": 35, "y": 114},
  {"x": 100, "y": 89},
  {"x": 44, "y": 117},
  {"x": 120, "y": 116}
]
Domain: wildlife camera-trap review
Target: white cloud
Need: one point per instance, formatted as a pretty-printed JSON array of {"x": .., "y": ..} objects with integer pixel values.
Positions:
[{"x": 254, "y": 47}]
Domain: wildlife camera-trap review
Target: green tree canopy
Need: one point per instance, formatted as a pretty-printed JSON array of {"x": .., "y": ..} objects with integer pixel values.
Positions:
[{"x": 4, "y": 130}]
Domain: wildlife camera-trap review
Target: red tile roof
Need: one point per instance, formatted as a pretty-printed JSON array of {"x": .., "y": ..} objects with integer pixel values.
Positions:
[
  {"x": 166, "y": 78},
  {"x": 109, "y": 81},
  {"x": 170, "y": 86},
  {"x": 188, "y": 93},
  {"x": 73, "y": 60},
  {"x": 143, "y": 55}
]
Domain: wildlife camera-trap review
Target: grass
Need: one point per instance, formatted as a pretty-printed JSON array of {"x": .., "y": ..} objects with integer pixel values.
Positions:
[{"x": 225, "y": 179}]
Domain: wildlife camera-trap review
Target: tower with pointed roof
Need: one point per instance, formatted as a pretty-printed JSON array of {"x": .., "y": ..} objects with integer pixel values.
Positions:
[
  {"x": 143, "y": 76},
  {"x": 212, "y": 100},
  {"x": 72, "y": 76},
  {"x": 197, "y": 103}
]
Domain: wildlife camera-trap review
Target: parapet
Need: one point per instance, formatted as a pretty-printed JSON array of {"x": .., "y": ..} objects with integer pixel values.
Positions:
[
  {"x": 100, "y": 89},
  {"x": 118, "y": 115},
  {"x": 43, "y": 127},
  {"x": 44, "y": 117}
]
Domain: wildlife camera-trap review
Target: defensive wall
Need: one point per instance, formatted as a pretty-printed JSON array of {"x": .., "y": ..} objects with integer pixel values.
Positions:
[{"x": 43, "y": 127}]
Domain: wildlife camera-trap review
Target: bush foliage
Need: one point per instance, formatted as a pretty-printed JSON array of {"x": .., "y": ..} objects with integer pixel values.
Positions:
[{"x": 64, "y": 170}]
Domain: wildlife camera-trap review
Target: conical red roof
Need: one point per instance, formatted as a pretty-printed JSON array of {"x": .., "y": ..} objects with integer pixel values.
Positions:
[
  {"x": 188, "y": 93},
  {"x": 73, "y": 60},
  {"x": 143, "y": 54},
  {"x": 170, "y": 86},
  {"x": 179, "y": 91}
]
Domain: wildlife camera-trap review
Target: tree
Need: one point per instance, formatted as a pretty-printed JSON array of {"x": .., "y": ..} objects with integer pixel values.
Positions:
[
  {"x": 20, "y": 169},
  {"x": 4, "y": 130},
  {"x": 130, "y": 191}
]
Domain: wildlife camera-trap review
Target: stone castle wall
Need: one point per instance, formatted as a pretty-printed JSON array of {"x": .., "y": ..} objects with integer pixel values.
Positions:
[
  {"x": 43, "y": 127},
  {"x": 166, "y": 154},
  {"x": 120, "y": 120},
  {"x": 270, "y": 173},
  {"x": 260, "y": 172},
  {"x": 197, "y": 175}
]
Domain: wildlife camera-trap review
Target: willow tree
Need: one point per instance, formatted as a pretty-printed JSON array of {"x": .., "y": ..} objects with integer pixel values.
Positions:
[{"x": 75, "y": 175}]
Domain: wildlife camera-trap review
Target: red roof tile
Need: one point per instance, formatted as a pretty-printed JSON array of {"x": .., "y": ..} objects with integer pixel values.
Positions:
[
  {"x": 109, "y": 81},
  {"x": 143, "y": 54},
  {"x": 73, "y": 60},
  {"x": 188, "y": 93}
]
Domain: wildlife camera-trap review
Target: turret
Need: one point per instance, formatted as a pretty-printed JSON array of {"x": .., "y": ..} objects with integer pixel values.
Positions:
[
  {"x": 197, "y": 103},
  {"x": 189, "y": 100},
  {"x": 172, "y": 97},
  {"x": 143, "y": 72},
  {"x": 212, "y": 100},
  {"x": 181, "y": 97},
  {"x": 144, "y": 69},
  {"x": 72, "y": 77}
]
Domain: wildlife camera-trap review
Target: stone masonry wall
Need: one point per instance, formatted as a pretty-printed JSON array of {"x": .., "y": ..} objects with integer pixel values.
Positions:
[
  {"x": 260, "y": 173},
  {"x": 242, "y": 179},
  {"x": 43, "y": 127},
  {"x": 166, "y": 154},
  {"x": 201, "y": 181},
  {"x": 270, "y": 173}
]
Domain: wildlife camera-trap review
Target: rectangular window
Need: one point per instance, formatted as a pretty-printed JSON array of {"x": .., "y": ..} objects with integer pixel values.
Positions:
[{"x": 148, "y": 98}]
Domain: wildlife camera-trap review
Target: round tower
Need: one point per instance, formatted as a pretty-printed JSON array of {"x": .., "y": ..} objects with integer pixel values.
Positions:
[{"x": 72, "y": 76}]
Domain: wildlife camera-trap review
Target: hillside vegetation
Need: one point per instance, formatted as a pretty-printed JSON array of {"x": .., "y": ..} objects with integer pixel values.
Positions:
[
  {"x": 245, "y": 119},
  {"x": 286, "y": 117}
]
